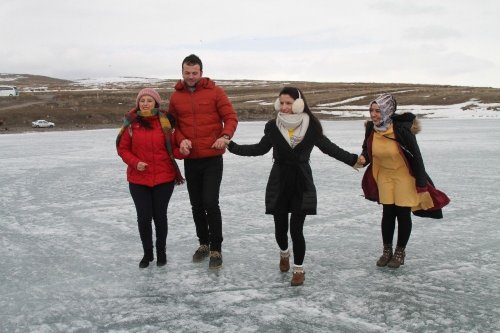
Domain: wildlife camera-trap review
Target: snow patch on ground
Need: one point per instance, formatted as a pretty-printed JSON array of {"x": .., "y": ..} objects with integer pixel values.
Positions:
[{"x": 473, "y": 108}]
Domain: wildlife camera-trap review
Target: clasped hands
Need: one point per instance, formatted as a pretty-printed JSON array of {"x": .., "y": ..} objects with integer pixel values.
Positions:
[
  {"x": 360, "y": 163},
  {"x": 186, "y": 145}
]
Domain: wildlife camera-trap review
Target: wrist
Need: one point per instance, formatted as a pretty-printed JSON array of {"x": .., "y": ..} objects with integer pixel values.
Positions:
[{"x": 225, "y": 136}]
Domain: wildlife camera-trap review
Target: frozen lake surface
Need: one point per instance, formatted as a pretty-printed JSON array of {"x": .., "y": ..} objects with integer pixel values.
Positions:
[{"x": 70, "y": 247}]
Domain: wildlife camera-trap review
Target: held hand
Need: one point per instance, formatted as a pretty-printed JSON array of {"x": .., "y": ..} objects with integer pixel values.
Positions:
[
  {"x": 360, "y": 163},
  {"x": 141, "y": 166},
  {"x": 357, "y": 166},
  {"x": 185, "y": 147},
  {"x": 220, "y": 143},
  {"x": 185, "y": 151},
  {"x": 186, "y": 144}
]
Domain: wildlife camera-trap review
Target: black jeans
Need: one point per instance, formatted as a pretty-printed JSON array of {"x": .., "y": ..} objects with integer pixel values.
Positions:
[
  {"x": 296, "y": 231},
  {"x": 203, "y": 178},
  {"x": 389, "y": 215},
  {"x": 151, "y": 203}
]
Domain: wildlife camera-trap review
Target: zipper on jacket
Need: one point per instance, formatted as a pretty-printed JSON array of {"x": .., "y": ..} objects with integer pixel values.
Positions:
[
  {"x": 195, "y": 125},
  {"x": 400, "y": 145}
]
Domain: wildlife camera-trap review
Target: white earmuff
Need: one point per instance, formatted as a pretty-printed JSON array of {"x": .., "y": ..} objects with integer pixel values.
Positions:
[
  {"x": 297, "y": 106},
  {"x": 277, "y": 105}
]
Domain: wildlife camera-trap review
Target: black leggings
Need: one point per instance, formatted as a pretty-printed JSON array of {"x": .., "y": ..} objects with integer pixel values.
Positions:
[
  {"x": 151, "y": 203},
  {"x": 296, "y": 231},
  {"x": 389, "y": 215}
]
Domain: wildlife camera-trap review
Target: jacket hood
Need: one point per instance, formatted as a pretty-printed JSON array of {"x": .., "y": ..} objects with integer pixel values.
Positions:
[
  {"x": 204, "y": 82},
  {"x": 409, "y": 120},
  {"x": 406, "y": 119}
]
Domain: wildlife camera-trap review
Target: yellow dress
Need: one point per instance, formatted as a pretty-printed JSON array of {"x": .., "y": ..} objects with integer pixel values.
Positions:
[{"x": 395, "y": 183}]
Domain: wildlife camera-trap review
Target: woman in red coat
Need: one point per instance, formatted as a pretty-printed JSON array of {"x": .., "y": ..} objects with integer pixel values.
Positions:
[{"x": 145, "y": 145}]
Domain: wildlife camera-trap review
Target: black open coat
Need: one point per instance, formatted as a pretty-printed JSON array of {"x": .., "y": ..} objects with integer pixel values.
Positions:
[
  {"x": 290, "y": 186},
  {"x": 406, "y": 126}
]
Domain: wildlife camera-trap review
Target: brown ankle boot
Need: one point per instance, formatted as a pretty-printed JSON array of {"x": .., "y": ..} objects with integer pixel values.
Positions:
[
  {"x": 284, "y": 261},
  {"x": 386, "y": 256},
  {"x": 398, "y": 258},
  {"x": 298, "y": 276}
]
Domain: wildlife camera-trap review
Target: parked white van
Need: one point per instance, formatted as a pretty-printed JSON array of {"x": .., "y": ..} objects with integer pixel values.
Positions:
[{"x": 9, "y": 91}]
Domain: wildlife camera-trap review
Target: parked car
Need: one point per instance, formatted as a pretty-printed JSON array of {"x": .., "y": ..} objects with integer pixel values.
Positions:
[
  {"x": 9, "y": 91},
  {"x": 42, "y": 123}
]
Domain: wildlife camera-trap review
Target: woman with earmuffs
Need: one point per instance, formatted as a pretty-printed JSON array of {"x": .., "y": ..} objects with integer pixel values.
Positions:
[
  {"x": 290, "y": 189},
  {"x": 396, "y": 176},
  {"x": 145, "y": 144}
]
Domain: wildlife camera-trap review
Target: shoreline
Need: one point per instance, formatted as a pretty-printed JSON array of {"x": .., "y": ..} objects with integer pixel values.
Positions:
[{"x": 22, "y": 130}]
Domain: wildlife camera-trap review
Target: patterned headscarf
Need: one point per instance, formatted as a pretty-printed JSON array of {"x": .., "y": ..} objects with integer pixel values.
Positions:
[{"x": 388, "y": 106}]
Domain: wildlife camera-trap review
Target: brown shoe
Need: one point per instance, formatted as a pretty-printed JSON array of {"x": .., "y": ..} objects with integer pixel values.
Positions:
[
  {"x": 284, "y": 261},
  {"x": 215, "y": 260},
  {"x": 398, "y": 258},
  {"x": 386, "y": 256},
  {"x": 298, "y": 276},
  {"x": 201, "y": 253}
]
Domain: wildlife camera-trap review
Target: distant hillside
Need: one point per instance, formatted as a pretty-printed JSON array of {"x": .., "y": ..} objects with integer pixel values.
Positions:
[
  {"x": 100, "y": 104},
  {"x": 28, "y": 80}
]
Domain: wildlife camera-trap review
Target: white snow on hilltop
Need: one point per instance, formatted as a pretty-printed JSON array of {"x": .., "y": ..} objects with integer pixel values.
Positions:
[
  {"x": 473, "y": 108},
  {"x": 124, "y": 80}
]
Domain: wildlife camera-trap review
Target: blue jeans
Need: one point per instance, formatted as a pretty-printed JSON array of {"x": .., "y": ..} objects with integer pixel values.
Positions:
[{"x": 203, "y": 178}]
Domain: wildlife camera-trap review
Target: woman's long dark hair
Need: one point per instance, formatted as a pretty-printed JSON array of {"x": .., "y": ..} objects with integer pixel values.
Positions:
[{"x": 294, "y": 93}]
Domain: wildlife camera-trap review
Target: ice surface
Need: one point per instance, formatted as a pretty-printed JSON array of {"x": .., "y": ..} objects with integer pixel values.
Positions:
[{"x": 69, "y": 245}]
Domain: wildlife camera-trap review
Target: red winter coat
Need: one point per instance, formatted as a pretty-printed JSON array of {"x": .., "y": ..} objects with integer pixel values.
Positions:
[
  {"x": 140, "y": 144},
  {"x": 202, "y": 116}
]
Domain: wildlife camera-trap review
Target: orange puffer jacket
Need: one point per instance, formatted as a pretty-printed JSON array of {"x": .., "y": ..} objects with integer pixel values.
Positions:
[
  {"x": 147, "y": 145},
  {"x": 203, "y": 116}
]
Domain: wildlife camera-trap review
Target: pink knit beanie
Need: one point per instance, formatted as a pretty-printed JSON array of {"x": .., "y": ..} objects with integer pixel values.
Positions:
[{"x": 149, "y": 92}]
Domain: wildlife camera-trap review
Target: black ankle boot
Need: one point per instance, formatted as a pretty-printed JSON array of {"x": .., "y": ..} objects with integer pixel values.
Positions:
[
  {"x": 161, "y": 257},
  {"x": 148, "y": 257}
]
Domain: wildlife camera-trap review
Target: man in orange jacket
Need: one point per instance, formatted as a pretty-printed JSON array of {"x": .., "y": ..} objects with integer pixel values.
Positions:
[{"x": 205, "y": 118}]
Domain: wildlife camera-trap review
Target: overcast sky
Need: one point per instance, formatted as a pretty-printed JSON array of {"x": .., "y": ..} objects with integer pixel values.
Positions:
[{"x": 427, "y": 41}]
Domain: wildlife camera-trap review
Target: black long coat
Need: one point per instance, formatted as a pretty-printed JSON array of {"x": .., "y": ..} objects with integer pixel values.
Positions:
[{"x": 290, "y": 185}]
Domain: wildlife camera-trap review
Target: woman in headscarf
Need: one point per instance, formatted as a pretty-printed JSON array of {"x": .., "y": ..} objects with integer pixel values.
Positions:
[{"x": 396, "y": 176}]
